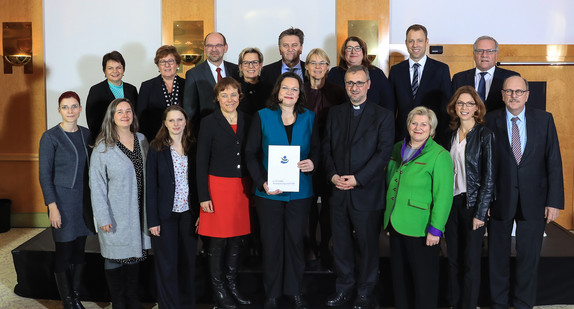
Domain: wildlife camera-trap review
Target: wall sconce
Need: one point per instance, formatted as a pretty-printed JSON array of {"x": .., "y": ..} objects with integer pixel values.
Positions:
[
  {"x": 17, "y": 42},
  {"x": 188, "y": 40},
  {"x": 368, "y": 30}
]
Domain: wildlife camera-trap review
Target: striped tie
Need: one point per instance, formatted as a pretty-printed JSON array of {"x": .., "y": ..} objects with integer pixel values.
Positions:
[
  {"x": 482, "y": 87},
  {"x": 415, "y": 84},
  {"x": 515, "y": 144}
]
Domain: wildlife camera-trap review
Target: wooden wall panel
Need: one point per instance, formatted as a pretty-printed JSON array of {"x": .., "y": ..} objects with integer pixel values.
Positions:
[
  {"x": 22, "y": 118},
  {"x": 366, "y": 10},
  {"x": 558, "y": 78}
]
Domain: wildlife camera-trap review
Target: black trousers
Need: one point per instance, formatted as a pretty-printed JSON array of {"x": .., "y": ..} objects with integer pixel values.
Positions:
[
  {"x": 175, "y": 254},
  {"x": 464, "y": 248},
  {"x": 356, "y": 255},
  {"x": 283, "y": 227},
  {"x": 415, "y": 271},
  {"x": 529, "y": 236},
  {"x": 69, "y": 252}
]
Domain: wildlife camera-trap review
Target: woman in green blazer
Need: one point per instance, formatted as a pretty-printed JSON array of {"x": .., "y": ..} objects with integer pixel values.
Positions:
[{"x": 419, "y": 198}]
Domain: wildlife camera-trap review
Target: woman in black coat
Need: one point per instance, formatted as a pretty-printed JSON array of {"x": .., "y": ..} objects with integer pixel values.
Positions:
[
  {"x": 102, "y": 94},
  {"x": 160, "y": 92},
  {"x": 172, "y": 207}
]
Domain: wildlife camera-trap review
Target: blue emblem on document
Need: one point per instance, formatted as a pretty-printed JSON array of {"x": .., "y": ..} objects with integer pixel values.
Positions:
[{"x": 284, "y": 160}]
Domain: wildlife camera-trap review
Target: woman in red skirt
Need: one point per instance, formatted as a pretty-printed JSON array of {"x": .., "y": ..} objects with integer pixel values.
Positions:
[{"x": 223, "y": 190}]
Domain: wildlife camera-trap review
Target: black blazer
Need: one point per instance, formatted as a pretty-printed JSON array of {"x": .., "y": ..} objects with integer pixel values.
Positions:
[
  {"x": 272, "y": 71},
  {"x": 199, "y": 100},
  {"x": 494, "y": 99},
  {"x": 152, "y": 103},
  {"x": 365, "y": 156},
  {"x": 160, "y": 186},
  {"x": 538, "y": 180},
  {"x": 434, "y": 92},
  {"x": 99, "y": 97},
  {"x": 220, "y": 151}
]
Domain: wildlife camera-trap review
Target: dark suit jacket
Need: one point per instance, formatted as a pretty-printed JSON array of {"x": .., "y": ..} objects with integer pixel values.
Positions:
[
  {"x": 272, "y": 71},
  {"x": 99, "y": 97},
  {"x": 199, "y": 100},
  {"x": 434, "y": 92},
  {"x": 160, "y": 186},
  {"x": 494, "y": 99},
  {"x": 538, "y": 180},
  {"x": 365, "y": 156},
  {"x": 152, "y": 103},
  {"x": 220, "y": 151}
]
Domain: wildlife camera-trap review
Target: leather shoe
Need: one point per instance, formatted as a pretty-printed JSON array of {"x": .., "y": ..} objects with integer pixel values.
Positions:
[
  {"x": 299, "y": 302},
  {"x": 362, "y": 302},
  {"x": 270, "y": 303},
  {"x": 337, "y": 299}
]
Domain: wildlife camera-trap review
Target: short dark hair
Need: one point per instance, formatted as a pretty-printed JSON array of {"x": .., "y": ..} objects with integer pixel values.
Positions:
[
  {"x": 450, "y": 108},
  {"x": 223, "y": 84},
  {"x": 292, "y": 31},
  {"x": 68, "y": 95},
  {"x": 115, "y": 56},
  {"x": 165, "y": 51},
  {"x": 273, "y": 102},
  {"x": 365, "y": 62},
  {"x": 358, "y": 68},
  {"x": 417, "y": 27}
]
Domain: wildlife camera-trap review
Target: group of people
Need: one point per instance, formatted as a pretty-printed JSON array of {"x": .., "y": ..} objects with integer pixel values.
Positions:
[{"x": 404, "y": 153}]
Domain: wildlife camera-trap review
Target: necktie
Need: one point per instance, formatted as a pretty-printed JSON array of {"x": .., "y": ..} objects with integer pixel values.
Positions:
[
  {"x": 219, "y": 77},
  {"x": 292, "y": 70},
  {"x": 515, "y": 144},
  {"x": 482, "y": 87},
  {"x": 415, "y": 84}
]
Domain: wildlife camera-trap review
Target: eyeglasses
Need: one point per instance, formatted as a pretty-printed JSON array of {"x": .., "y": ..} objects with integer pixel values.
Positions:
[
  {"x": 467, "y": 104},
  {"x": 285, "y": 88},
  {"x": 488, "y": 51},
  {"x": 248, "y": 63},
  {"x": 350, "y": 84},
  {"x": 353, "y": 48},
  {"x": 66, "y": 107},
  {"x": 517, "y": 92},
  {"x": 209, "y": 46},
  {"x": 166, "y": 62},
  {"x": 320, "y": 63}
]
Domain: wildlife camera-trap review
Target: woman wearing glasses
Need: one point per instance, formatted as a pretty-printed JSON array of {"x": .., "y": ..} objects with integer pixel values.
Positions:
[
  {"x": 470, "y": 144},
  {"x": 283, "y": 215},
  {"x": 255, "y": 90},
  {"x": 160, "y": 92},
  {"x": 354, "y": 52}
]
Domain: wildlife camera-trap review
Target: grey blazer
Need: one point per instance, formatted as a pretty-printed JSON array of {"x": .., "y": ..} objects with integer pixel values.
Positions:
[{"x": 115, "y": 201}]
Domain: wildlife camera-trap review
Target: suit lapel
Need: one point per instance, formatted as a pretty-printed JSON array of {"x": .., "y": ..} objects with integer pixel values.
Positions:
[
  {"x": 223, "y": 123},
  {"x": 166, "y": 153},
  {"x": 207, "y": 75},
  {"x": 530, "y": 135},
  {"x": 502, "y": 131}
]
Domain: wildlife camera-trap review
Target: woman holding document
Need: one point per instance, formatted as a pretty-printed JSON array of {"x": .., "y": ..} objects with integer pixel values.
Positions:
[{"x": 283, "y": 215}]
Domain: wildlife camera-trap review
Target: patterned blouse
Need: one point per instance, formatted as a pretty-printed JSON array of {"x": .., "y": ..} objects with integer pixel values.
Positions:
[{"x": 180, "y": 202}]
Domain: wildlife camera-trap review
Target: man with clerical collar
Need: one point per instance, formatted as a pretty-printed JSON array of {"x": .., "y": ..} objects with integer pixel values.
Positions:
[
  {"x": 357, "y": 146},
  {"x": 486, "y": 78},
  {"x": 290, "y": 47},
  {"x": 419, "y": 81},
  {"x": 198, "y": 99}
]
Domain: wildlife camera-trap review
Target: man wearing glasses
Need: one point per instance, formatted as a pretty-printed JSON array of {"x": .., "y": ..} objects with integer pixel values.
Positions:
[
  {"x": 486, "y": 78},
  {"x": 357, "y": 146},
  {"x": 198, "y": 100},
  {"x": 418, "y": 81},
  {"x": 529, "y": 190},
  {"x": 290, "y": 47}
]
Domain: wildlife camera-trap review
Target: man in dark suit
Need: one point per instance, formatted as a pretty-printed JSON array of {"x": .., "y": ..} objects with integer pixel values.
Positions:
[
  {"x": 418, "y": 81},
  {"x": 356, "y": 147},
  {"x": 290, "y": 47},
  {"x": 198, "y": 101},
  {"x": 486, "y": 78},
  {"x": 530, "y": 191}
]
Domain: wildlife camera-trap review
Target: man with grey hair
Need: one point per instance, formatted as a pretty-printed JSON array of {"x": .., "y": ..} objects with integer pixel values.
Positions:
[
  {"x": 290, "y": 47},
  {"x": 486, "y": 78},
  {"x": 357, "y": 146}
]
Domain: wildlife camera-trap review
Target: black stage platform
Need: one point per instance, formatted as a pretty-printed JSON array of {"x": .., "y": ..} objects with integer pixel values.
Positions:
[{"x": 33, "y": 261}]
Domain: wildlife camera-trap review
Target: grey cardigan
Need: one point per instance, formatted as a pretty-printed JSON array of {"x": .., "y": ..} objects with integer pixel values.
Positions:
[
  {"x": 115, "y": 201},
  {"x": 58, "y": 161}
]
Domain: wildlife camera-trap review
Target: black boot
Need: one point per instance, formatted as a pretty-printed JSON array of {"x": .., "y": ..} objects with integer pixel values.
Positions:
[
  {"x": 216, "y": 250},
  {"x": 114, "y": 278},
  {"x": 233, "y": 261},
  {"x": 77, "y": 271},
  {"x": 65, "y": 289},
  {"x": 132, "y": 273}
]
